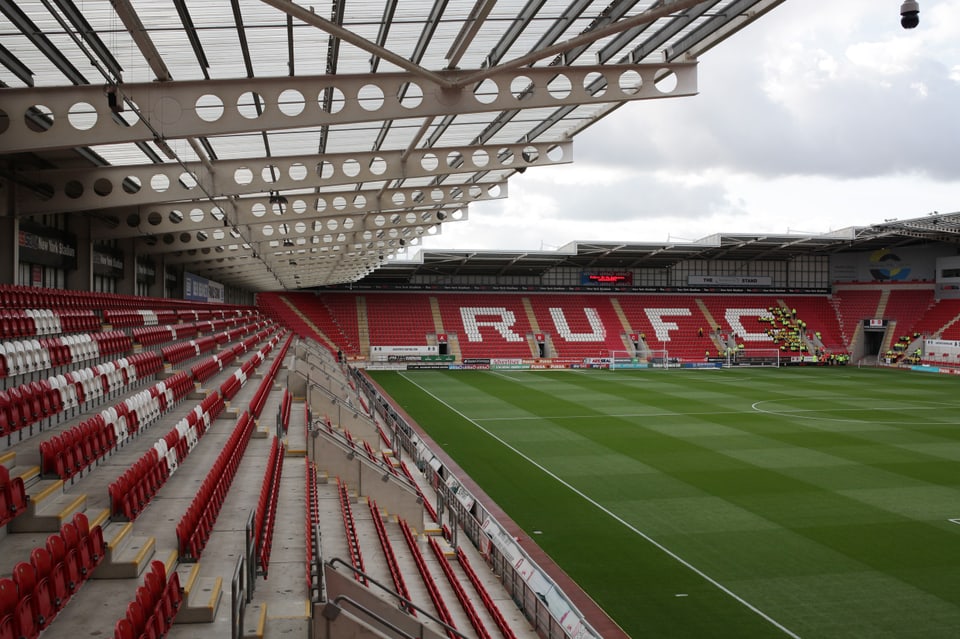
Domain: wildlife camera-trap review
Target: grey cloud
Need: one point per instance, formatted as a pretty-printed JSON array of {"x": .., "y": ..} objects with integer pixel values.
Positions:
[{"x": 859, "y": 127}]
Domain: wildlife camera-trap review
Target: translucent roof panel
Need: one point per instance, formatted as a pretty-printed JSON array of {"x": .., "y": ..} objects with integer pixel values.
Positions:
[{"x": 145, "y": 62}]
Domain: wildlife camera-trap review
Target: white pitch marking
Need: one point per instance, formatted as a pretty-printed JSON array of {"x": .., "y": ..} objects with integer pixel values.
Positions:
[{"x": 616, "y": 517}]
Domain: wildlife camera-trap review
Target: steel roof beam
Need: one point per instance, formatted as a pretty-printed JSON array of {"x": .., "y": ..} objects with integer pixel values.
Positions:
[
  {"x": 217, "y": 107},
  {"x": 128, "y": 15},
  {"x": 75, "y": 16},
  {"x": 659, "y": 10},
  {"x": 35, "y": 35},
  {"x": 333, "y": 210},
  {"x": 260, "y": 240},
  {"x": 15, "y": 66},
  {"x": 350, "y": 37},
  {"x": 117, "y": 186},
  {"x": 468, "y": 31}
]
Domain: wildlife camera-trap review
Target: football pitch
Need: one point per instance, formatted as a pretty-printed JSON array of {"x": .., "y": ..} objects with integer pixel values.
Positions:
[{"x": 797, "y": 502}]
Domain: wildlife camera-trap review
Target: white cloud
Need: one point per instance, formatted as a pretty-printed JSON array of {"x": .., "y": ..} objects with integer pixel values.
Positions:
[{"x": 817, "y": 117}]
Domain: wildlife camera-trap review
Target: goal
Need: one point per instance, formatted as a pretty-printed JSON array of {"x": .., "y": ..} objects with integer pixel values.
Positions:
[
  {"x": 626, "y": 359},
  {"x": 754, "y": 357}
]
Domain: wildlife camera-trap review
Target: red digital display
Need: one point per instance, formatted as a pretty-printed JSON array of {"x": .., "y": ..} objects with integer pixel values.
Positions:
[{"x": 608, "y": 277}]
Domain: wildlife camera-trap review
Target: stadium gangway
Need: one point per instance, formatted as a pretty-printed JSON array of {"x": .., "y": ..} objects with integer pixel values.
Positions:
[
  {"x": 428, "y": 580},
  {"x": 387, "y": 546},
  {"x": 332, "y": 565}
]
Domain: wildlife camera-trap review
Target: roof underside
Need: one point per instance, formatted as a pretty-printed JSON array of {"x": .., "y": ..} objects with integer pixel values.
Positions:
[{"x": 272, "y": 144}]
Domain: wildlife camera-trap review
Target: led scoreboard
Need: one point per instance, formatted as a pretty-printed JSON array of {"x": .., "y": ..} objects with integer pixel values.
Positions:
[{"x": 606, "y": 278}]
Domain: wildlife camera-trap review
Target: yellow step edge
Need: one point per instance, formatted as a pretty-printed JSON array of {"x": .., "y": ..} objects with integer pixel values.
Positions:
[
  {"x": 261, "y": 621},
  {"x": 170, "y": 563},
  {"x": 119, "y": 537},
  {"x": 215, "y": 593},
  {"x": 7, "y": 458},
  {"x": 101, "y": 518},
  {"x": 30, "y": 473},
  {"x": 72, "y": 506},
  {"x": 49, "y": 490},
  {"x": 145, "y": 551},
  {"x": 191, "y": 579}
]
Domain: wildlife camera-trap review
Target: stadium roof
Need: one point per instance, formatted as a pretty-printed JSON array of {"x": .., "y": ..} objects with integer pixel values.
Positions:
[
  {"x": 891, "y": 234},
  {"x": 273, "y": 144}
]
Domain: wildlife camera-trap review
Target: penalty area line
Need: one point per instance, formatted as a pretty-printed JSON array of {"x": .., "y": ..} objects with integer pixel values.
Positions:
[{"x": 616, "y": 517}]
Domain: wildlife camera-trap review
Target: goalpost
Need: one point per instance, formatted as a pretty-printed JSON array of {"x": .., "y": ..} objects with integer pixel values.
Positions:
[{"x": 754, "y": 357}]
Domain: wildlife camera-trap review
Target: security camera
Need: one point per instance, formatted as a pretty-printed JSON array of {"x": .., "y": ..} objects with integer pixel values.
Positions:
[{"x": 909, "y": 14}]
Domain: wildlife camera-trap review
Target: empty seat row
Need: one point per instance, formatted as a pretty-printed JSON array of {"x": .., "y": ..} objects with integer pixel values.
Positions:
[
  {"x": 28, "y": 322},
  {"x": 182, "y": 351},
  {"x": 39, "y": 589},
  {"x": 465, "y": 602},
  {"x": 311, "y": 521},
  {"x": 350, "y": 530},
  {"x": 427, "y": 578},
  {"x": 196, "y": 525},
  {"x": 396, "y": 574},
  {"x": 154, "y": 607},
  {"x": 265, "y": 516},
  {"x": 70, "y": 452},
  {"x": 263, "y": 390},
  {"x": 135, "y": 487},
  {"x": 505, "y": 630},
  {"x": 27, "y": 404}
]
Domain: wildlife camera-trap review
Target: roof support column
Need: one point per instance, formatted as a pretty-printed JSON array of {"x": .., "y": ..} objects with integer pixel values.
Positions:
[{"x": 9, "y": 230}]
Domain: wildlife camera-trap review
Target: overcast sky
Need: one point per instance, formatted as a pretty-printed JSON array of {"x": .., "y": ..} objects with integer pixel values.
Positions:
[{"x": 818, "y": 116}]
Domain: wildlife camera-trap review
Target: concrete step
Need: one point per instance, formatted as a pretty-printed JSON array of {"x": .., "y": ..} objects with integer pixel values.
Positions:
[
  {"x": 29, "y": 474},
  {"x": 255, "y": 621},
  {"x": 48, "y": 507},
  {"x": 287, "y": 627},
  {"x": 128, "y": 554},
  {"x": 201, "y": 595},
  {"x": 8, "y": 459}
]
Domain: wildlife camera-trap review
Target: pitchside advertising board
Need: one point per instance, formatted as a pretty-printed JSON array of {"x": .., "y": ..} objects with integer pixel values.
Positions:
[
  {"x": 395, "y": 353},
  {"x": 560, "y": 609}
]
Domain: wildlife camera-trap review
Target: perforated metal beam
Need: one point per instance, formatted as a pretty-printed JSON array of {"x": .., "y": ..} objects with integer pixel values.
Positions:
[
  {"x": 260, "y": 237},
  {"x": 331, "y": 210},
  {"x": 81, "y": 115},
  {"x": 120, "y": 186}
]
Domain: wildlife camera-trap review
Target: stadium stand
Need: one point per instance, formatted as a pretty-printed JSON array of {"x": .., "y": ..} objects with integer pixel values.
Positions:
[{"x": 127, "y": 419}]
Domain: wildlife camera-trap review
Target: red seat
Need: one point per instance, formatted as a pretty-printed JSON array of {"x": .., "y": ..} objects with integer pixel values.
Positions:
[
  {"x": 137, "y": 617},
  {"x": 9, "y": 597},
  {"x": 16, "y": 496},
  {"x": 25, "y": 618},
  {"x": 42, "y": 561},
  {"x": 42, "y": 603},
  {"x": 8, "y": 629},
  {"x": 124, "y": 630}
]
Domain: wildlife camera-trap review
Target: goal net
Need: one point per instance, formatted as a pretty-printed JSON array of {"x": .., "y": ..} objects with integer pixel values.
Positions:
[
  {"x": 626, "y": 359},
  {"x": 754, "y": 357}
]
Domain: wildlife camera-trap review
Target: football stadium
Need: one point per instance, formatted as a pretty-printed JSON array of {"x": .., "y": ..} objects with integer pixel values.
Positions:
[{"x": 241, "y": 396}]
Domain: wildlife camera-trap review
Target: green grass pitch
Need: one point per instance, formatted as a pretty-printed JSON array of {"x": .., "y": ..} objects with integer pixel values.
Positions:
[{"x": 723, "y": 503}]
